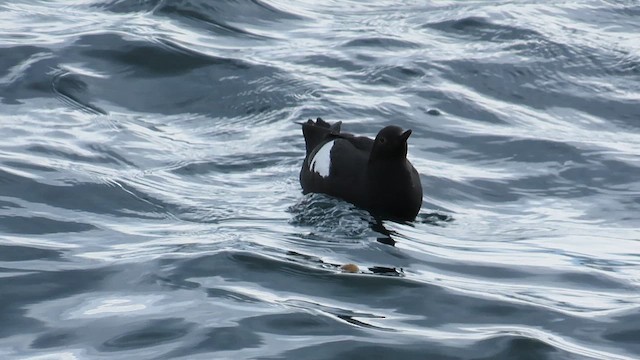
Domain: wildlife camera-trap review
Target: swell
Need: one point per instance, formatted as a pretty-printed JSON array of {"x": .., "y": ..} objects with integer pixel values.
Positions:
[
  {"x": 535, "y": 69},
  {"x": 153, "y": 206},
  {"x": 226, "y": 18}
]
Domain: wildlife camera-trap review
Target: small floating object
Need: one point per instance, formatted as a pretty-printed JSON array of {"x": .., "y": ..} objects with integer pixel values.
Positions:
[
  {"x": 434, "y": 112},
  {"x": 350, "y": 268}
]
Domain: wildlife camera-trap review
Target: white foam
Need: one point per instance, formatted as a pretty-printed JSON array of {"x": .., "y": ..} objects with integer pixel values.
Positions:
[{"x": 321, "y": 162}]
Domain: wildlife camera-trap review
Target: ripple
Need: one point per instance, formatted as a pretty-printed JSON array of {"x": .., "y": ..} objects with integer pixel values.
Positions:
[
  {"x": 152, "y": 333},
  {"x": 72, "y": 90},
  {"x": 24, "y": 253},
  {"x": 483, "y": 29},
  {"x": 222, "y": 339},
  {"x": 379, "y": 42},
  {"x": 40, "y": 225},
  {"x": 163, "y": 59},
  {"x": 97, "y": 198},
  {"x": 127, "y": 6},
  {"x": 150, "y": 204},
  {"x": 329, "y": 215},
  {"x": 199, "y": 15},
  {"x": 54, "y": 339}
]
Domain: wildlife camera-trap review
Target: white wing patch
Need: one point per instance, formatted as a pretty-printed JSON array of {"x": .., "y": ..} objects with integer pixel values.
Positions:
[{"x": 321, "y": 162}]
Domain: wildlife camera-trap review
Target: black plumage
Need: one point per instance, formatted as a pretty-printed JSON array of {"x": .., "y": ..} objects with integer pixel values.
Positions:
[{"x": 372, "y": 174}]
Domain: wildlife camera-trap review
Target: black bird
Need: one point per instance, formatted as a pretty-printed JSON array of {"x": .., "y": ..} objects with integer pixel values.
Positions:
[{"x": 372, "y": 174}]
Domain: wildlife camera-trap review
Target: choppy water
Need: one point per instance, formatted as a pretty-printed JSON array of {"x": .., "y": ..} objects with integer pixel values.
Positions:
[{"x": 150, "y": 206}]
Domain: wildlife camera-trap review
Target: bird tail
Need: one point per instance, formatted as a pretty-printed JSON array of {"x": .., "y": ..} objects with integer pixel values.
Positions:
[{"x": 316, "y": 132}]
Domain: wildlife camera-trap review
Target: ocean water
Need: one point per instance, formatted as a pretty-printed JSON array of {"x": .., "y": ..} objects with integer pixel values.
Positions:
[{"x": 149, "y": 198}]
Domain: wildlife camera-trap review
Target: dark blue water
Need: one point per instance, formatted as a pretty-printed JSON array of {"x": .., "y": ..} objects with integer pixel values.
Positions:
[{"x": 150, "y": 205}]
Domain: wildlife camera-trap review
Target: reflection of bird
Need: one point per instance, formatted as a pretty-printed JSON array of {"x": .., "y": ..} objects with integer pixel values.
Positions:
[{"x": 372, "y": 174}]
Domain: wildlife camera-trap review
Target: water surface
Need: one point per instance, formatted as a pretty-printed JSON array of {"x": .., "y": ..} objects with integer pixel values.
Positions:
[{"x": 150, "y": 205}]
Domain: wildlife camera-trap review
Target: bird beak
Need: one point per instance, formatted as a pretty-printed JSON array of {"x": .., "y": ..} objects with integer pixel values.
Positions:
[{"x": 405, "y": 135}]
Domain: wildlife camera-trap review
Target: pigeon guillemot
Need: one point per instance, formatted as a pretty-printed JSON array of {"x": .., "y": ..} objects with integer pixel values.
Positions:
[{"x": 372, "y": 174}]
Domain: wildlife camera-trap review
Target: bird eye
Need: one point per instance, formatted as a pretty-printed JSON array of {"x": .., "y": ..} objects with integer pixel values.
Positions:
[{"x": 382, "y": 140}]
